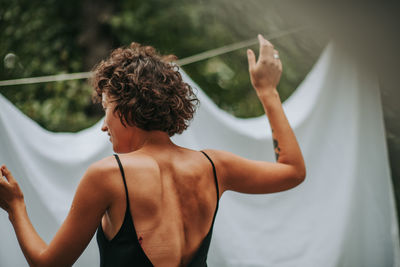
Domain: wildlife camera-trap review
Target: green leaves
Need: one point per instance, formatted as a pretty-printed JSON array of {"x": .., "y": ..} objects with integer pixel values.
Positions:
[{"x": 51, "y": 37}]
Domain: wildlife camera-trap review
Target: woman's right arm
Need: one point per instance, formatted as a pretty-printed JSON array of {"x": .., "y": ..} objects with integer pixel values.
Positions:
[
  {"x": 92, "y": 198},
  {"x": 259, "y": 177}
]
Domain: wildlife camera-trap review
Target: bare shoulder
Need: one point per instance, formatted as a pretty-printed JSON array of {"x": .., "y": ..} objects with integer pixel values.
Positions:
[
  {"x": 222, "y": 160},
  {"x": 99, "y": 174},
  {"x": 106, "y": 172},
  {"x": 139, "y": 163},
  {"x": 218, "y": 155},
  {"x": 102, "y": 169},
  {"x": 102, "y": 166}
]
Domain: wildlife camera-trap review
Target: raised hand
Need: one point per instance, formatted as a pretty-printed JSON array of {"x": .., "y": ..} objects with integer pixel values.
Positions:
[
  {"x": 10, "y": 192},
  {"x": 261, "y": 177},
  {"x": 266, "y": 72}
]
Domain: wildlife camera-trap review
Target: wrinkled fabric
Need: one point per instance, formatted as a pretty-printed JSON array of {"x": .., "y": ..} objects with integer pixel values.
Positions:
[{"x": 343, "y": 214}]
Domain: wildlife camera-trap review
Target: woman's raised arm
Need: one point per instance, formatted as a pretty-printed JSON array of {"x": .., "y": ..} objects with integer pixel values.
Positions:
[
  {"x": 90, "y": 203},
  {"x": 259, "y": 177}
]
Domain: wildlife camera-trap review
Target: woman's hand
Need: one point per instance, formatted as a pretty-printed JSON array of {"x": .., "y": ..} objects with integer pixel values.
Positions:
[
  {"x": 266, "y": 72},
  {"x": 10, "y": 192},
  {"x": 260, "y": 177},
  {"x": 91, "y": 201}
]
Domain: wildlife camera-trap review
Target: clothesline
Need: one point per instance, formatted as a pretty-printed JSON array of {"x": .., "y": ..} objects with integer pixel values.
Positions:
[{"x": 182, "y": 62}]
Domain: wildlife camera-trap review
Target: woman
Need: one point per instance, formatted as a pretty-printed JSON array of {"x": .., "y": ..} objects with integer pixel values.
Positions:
[{"x": 155, "y": 203}]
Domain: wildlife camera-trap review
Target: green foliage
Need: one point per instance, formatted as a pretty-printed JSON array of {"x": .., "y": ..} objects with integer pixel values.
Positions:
[
  {"x": 188, "y": 27},
  {"x": 42, "y": 36},
  {"x": 51, "y": 37}
]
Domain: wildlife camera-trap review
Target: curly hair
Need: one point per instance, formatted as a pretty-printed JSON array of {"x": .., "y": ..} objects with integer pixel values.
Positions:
[{"x": 148, "y": 89}]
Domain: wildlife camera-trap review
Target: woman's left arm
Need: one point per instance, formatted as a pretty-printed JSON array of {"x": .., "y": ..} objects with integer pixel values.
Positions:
[{"x": 90, "y": 203}]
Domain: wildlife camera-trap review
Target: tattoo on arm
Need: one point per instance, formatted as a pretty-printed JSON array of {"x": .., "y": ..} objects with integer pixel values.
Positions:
[{"x": 276, "y": 146}]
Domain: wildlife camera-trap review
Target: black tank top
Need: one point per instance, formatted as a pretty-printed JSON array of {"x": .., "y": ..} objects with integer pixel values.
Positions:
[{"x": 124, "y": 250}]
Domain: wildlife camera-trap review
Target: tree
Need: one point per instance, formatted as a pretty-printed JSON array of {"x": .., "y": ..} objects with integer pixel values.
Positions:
[{"x": 51, "y": 37}]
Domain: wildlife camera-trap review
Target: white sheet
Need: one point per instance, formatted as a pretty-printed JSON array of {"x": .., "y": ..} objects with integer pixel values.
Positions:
[{"x": 342, "y": 215}]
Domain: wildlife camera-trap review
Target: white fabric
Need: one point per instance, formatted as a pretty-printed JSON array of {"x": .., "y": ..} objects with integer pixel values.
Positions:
[{"x": 342, "y": 215}]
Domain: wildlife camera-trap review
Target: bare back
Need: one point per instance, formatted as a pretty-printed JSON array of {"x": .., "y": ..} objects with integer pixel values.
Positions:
[
  {"x": 173, "y": 198},
  {"x": 171, "y": 191}
]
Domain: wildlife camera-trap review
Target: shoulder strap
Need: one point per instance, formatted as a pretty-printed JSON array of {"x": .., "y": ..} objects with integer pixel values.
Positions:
[
  {"x": 215, "y": 174},
  {"x": 123, "y": 178}
]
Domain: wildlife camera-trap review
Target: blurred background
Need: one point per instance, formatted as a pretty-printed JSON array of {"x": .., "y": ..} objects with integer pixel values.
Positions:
[{"x": 49, "y": 37}]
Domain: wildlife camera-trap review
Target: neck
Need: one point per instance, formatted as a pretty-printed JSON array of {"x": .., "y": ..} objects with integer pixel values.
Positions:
[{"x": 147, "y": 139}]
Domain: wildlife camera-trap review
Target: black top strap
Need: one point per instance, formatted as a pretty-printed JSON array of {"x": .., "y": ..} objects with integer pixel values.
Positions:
[
  {"x": 215, "y": 173},
  {"x": 123, "y": 178}
]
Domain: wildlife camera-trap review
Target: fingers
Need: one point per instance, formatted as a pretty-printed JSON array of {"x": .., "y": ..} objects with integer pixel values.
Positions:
[
  {"x": 278, "y": 59},
  {"x": 251, "y": 57},
  {"x": 264, "y": 41},
  {"x": 2, "y": 174},
  {"x": 280, "y": 66},
  {"x": 3, "y": 181},
  {"x": 266, "y": 48},
  {"x": 7, "y": 174}
]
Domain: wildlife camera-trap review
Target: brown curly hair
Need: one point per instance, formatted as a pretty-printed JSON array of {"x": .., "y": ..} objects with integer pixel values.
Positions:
[{"x": 148, "y": 89}]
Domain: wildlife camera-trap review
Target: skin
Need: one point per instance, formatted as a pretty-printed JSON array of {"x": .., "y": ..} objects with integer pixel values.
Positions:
[{"x": 172, "y": 192}]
